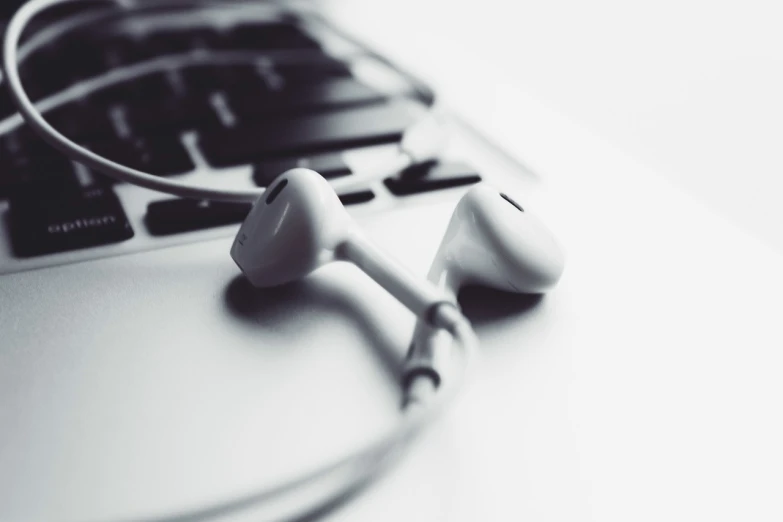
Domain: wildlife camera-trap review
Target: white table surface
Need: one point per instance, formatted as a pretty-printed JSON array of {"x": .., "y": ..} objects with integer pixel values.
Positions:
[
  {"x": 688, "y": 87},
  {"x": 654, "y": 389},
  {"x": 647, "y": 386}
]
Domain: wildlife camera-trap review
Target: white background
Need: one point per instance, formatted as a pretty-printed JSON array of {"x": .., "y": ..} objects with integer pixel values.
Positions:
[
  {"x": 648, "y": 386},
  {"x": 691, "y": 88}
]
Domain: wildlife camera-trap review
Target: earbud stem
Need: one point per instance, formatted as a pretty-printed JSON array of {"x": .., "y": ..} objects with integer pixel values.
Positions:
[
  {"x": 430, "y": 347},
  {"x": 415, "y": 294},
  {"x": 425, "y": 361}
]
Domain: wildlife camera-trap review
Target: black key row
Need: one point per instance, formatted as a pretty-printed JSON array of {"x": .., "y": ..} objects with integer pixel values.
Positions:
[
  {"x": 175, "y": 216},
  {"x": 150, "y": 106},
  {"x": 431, "y": 176},
  {"x": 306, "y": 134},
  {"x": 160, "y": 151},
  {"x": 330, "y": 165},
  {"x": 272, "y": 147},
  {"x": 162, "y": 155},
  {"x": 27, "y": 160},
  {"x": 84, "y": 121},
  {"x": 184, "y": 93},
  {"x": 46, "y": 221},
  {"x": 417, "y": 179},
  {"x": 81, "y": 56},
  {"x": 80, "y": 211},
  {"x": 7, "y": 107},
  {"x": 324, "y": 95},
  {"x": 262, "y": 77}
]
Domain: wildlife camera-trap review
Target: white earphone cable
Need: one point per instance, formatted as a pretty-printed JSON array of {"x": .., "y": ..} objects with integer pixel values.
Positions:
[{"x": 294, "y": 499}]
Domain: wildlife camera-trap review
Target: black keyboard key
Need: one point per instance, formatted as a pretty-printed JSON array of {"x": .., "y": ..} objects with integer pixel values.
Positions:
[
  {"x": 7, "y": 107},
  {"x": 83, "y": 59},
  {"x": 268, "y": 36},
  {"x": 431, "y": 176},
  {"x": 236, "y": 79},
  {"x": 151, "y": 88},
  {"x": 173, "y": 216},
  {"x": 162, "y": 155},
  {"x": 120, "y": 51},
  {"x": 76, "y": 57},
  {"x": 165, "y": 42},
  {"x": 15, "y": 147},
  {"x": 56, "y": 12},
  {"x": 146, "y": 119},
  {"x": 354, "y": 198},
  {"x": 81, "y": 121},
  {"x": 319, "y": 96},
  {"x": 331, "y": 165},
  {"x": 303, "y": 73},
  {"x": 7, "y": 9},
  {"x": 45, "y": 73},
  {"x": 45, "y": 175},
  {"x": 65, "y": 10},
  {"x": 307, "y": 134},
  {"x": 24, "y": 159},
  {"x": 156, "y": 87},
  {"x": 263, "y": 78},
  {"x": 84, "y": 56},
  {"x": 44, "y": 223}
]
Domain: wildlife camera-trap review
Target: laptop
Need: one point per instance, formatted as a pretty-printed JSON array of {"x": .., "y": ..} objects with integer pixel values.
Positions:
[{"x": 141, "y": 377}]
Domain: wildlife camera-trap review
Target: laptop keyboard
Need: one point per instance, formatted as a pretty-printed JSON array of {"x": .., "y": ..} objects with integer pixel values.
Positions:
[
  {"x": 254, "y": 140},
  {"x": 75, "y": 217},
  {"x": 268, "y": 114}
]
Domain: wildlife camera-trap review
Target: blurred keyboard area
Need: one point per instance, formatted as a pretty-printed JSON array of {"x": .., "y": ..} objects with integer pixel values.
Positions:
[{"x": 228, "y": 95}]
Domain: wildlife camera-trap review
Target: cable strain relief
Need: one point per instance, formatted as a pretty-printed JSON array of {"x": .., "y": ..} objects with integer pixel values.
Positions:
[
  {"x": 433, "y": 314},
  {"x": 420, "y": 370},
  {"x": 439, "y": 311}
]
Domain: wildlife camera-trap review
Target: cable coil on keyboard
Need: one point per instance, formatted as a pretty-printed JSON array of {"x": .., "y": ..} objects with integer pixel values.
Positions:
[{"x": 421, "y": 142}]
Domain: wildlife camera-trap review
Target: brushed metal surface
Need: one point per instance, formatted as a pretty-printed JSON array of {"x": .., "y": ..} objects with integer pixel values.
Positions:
[{"x": 645, "y": 387}]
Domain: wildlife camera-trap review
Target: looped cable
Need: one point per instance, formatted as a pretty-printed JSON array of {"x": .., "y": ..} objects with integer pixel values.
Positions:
[{"x": 409, "y": 152}]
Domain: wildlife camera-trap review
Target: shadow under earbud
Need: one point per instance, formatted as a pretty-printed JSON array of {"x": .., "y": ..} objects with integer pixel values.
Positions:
[
  {"x": 286, "y": 306},
  {"x": 269, "y": 305},
  {"x": 484, "y": 306}
]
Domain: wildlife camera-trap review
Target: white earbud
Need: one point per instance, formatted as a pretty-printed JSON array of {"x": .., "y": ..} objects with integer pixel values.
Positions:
[
  {"x": 299, "y": 225},
  {"x": 490, "y": 241}
]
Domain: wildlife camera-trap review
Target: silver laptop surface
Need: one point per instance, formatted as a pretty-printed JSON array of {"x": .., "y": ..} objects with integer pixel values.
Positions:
[
  {"x": 141, "y": 377},
  {"x": 140, "y": 374}
]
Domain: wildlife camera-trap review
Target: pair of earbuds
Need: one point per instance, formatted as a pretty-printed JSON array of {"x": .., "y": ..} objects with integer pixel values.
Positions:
[{"x": 300, "y": 225}]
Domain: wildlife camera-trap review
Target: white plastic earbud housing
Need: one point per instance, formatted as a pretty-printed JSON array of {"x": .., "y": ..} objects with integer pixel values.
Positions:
[
  {"x": 292, "y": 229},
  {"x": 491, "y": 241},
  {"x": 299, "y": 225}
]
